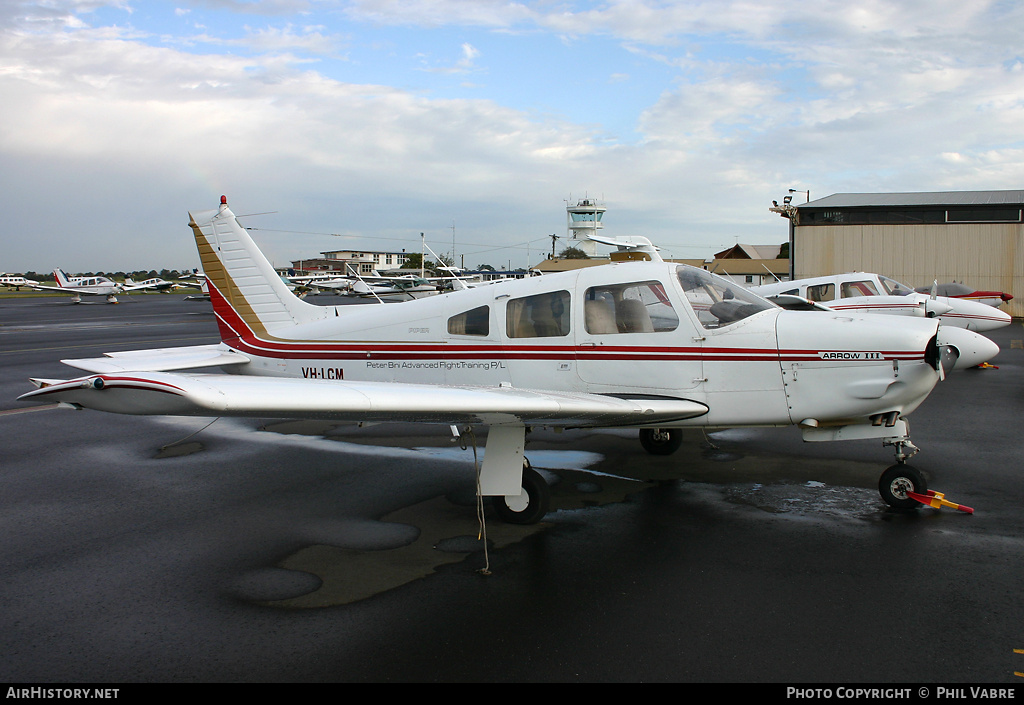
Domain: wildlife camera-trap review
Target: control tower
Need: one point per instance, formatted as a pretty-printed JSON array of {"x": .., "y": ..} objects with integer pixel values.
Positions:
[{"x": 584, "y": 219}]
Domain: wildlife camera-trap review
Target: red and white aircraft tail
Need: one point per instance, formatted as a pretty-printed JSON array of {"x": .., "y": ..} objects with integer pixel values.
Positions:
[
  {"x": 242, "y": 282},
  {"x": 63, "y": 280}
]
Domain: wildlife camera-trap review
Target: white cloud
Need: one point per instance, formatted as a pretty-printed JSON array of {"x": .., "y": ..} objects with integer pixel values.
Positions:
[{"x": 733, "y": 102}]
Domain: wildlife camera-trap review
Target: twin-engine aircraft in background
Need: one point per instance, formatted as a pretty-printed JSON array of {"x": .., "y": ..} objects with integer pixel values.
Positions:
[
  {"x": 649, "y": 345},
  {"x": 865, "y": 292}
]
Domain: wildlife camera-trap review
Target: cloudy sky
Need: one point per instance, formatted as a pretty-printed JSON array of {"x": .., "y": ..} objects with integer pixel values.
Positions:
[{"x": 361, "y": 123}]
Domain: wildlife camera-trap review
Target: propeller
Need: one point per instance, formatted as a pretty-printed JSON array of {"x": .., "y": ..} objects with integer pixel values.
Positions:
[
  {"x": 962, "y": 348},
  {"x": 948, "y": 355},
  {"x": 932, "y": 306}
]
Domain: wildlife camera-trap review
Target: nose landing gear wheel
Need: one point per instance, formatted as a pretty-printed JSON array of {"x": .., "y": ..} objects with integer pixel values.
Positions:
[
  {"x": 528, "y": 507},
  {"x": 899, "y": 479}
]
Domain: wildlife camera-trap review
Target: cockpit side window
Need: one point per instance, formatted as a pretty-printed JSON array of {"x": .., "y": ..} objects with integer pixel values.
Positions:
[
  {"x": 858, "y": 288},
  {"x": 476, "y": 321},
  {"x": 635, "y": 307},
  {"x": 821, "y": 292},
  {"x": 540, "y": 316},
  {"x": 717, "y": 301}
]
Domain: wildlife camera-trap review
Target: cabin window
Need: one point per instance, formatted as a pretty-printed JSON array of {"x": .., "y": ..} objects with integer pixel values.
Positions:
[
  {"x": 717, "y": 301},
  {"x": 540, "y": 316},
  {"x": 636, "y": 307},
  {"x": 858, "y": 288},
  {"x": 821, "y": 292},
  {"x": 473, "y": 322}
]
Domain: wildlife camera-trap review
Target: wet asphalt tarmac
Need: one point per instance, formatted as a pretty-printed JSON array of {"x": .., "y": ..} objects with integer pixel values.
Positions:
[{"x": 265, "y": 551}]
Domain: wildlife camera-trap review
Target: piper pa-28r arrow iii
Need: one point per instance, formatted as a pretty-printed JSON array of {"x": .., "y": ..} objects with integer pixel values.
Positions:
[{"x": 643, "y": 344}]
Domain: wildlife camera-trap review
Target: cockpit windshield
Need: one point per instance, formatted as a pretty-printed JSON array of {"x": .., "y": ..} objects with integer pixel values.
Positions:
[
  {"x": 894, "y": 288},
  {"x": 717, "y": 301}
]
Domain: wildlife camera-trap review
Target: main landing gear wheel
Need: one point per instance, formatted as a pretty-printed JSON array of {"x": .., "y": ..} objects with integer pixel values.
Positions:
[
  {"x": 661, "y": 441},
  {"x": 899, "y": 479},
  {"x": 528, "y": 507}
]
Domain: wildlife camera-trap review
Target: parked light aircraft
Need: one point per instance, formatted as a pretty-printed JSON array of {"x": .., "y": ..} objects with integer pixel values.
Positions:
[
  {"x": 83, "y": 286},
  {"x": 864, "y": 292},
  {"x": 199, "y": 281},
  {"x": 155, "y": 283},
  {"x": 15, "y": 281},
  {"x": 957, "y": 290},
  {"x": 649, "y": 345},
  {"x": 392, "y": 288}
]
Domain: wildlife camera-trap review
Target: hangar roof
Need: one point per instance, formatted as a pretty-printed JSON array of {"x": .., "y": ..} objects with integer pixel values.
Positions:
[{"x": 933, "y": 198}]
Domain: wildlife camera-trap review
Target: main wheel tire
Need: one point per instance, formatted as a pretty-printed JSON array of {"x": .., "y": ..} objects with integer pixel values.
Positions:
[
  {"x": 661, "y": 441},
  {"x": 899, "y": 479},
  {"x": 528, "y": 507}
]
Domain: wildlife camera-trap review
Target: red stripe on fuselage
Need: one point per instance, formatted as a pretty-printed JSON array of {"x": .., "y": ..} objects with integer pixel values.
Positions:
[{"x": 236, "y": 333}]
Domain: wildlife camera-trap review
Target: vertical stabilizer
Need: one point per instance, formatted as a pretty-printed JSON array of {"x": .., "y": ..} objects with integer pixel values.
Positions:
[
  {"x": 61, "y": 277},
  {"x": 241, "y": 279}
]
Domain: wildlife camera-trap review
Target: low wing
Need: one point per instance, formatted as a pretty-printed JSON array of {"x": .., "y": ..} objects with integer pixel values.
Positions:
[
  {"x": 154, "y": 287},
  {"x": 160, "y": 360},
  {"x": 237, "y": 395},
  {"x": 66, "y": 290},
  {"x": 792, "y": 302}
]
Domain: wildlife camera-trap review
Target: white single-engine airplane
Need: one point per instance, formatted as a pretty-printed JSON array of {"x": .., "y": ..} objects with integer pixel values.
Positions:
[
  {"x": 644, "y": 344},
  {"x": 15, "y": 281},
  {"x": 155, "y": 283},
  {"x": 864, "y": 292},
  {"x": 83, "y": 286}
]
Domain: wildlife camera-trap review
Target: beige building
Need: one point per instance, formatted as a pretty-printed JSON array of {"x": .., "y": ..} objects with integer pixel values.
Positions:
[
  {"x": 747, "y": 265},
  {"x": 750, "y": 265},
  {"x": 973, "y": 237},
  {"x": 348, "y": 261}
]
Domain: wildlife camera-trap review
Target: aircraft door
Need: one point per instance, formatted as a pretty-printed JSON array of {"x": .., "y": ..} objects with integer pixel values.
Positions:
[{"x": 631, "y": 335}]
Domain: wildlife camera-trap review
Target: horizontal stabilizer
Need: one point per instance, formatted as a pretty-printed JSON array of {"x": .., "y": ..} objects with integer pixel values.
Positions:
[
  {"x": 279, "y": 397},
  {"x": 160, "y": 360}
]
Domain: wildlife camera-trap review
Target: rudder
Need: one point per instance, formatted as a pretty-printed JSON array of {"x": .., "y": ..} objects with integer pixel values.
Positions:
[{"x": 243, "y": 277}]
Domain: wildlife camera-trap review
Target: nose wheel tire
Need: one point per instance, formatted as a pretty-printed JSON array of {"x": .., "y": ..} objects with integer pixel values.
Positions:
[
  {"x": 528, "y": 507},
  {"x": 661, "y": 441},
  {"x": 899, "y": 479}
]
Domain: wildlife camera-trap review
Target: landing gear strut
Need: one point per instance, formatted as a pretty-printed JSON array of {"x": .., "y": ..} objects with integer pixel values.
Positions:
[{"x": 531, "y": 505}]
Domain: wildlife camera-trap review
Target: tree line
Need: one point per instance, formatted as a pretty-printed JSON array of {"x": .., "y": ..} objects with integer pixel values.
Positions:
[{"x": 137, "y": 275}]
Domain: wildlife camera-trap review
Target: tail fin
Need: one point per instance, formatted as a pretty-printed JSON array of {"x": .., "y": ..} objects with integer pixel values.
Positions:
[
  {"x": 61, "y": 277},
  {"x": 245, "y": 290}
]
